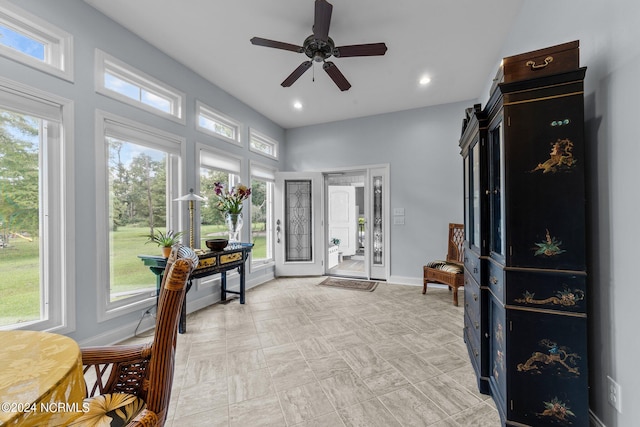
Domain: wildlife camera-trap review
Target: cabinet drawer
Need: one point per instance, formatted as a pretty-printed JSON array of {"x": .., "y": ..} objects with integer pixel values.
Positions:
[
  {"x": 471, "y": 298},
  {"x": 538, "y": 63},
  {"x": 549, "y": 290},
  {"x": 472, "y": 264},
  {"x": 472, "y": 338},
  {"x": 496, "y": 280}
]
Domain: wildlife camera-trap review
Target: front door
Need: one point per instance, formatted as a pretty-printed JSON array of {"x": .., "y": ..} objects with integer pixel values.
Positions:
[{"x": 298, "y": 224}]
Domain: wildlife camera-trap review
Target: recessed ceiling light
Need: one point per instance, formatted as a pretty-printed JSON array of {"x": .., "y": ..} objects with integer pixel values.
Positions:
[
  {"x": 424, "y": 81},
  {"x": 297, "y": 105}
]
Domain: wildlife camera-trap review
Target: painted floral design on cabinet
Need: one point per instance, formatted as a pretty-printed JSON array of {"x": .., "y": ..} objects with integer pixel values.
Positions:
[
  {"x": 560, "y": 158},
  {"x": 557, "y": 357},
  {"x": 565, "y": 297},
  {"x": 558, "y": 411},
  {"x": 549, "y": 247}
]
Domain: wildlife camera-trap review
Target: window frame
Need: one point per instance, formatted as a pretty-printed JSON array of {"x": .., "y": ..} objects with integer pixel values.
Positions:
[
  {"x": 264, "y": 262},
  {"x": 210, "y": 113},
  {"x": 105, "y": 63},
  {"x": 59, "y": 263},
  {"x": 264, "y": 139},
  {"x": 58, "y": 44},
  {"x": 210, "y": 281},
  {"x": 165, "y": 141}
]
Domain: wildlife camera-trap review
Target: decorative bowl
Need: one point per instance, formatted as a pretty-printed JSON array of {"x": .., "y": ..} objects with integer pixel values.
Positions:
[{"x": 216, "y": 244}]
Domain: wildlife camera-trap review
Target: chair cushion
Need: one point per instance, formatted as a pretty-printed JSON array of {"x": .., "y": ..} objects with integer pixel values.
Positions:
[
  {"x": 112, "y": 410},
  {"x": 449, "y": 267}
]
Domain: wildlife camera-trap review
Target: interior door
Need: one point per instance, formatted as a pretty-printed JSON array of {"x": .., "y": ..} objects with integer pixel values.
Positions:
[
  {"x": 343, "y": 218},
  {"x": 298, "y": 224}
]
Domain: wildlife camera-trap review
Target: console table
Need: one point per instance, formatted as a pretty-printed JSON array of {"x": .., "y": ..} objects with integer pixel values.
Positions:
[{"x": 211, "y": 262}]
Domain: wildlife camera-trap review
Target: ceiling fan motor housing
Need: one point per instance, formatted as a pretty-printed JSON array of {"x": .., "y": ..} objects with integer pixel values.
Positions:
[{"x": 318, "y": 50}]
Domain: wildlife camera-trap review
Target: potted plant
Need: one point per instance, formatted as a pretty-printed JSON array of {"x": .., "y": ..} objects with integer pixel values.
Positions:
[{"x": 165, "y": 240}]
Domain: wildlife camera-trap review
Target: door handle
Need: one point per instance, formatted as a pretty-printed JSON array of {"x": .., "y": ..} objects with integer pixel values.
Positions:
[{"x": 278, "y": 231}]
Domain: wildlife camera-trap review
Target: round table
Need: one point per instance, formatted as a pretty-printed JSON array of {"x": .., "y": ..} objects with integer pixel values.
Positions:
[{"x": 41, "y": 380}]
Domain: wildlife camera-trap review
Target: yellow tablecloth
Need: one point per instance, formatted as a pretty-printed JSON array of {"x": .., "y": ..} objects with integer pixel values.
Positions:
[{"x": 41, "y": 381}]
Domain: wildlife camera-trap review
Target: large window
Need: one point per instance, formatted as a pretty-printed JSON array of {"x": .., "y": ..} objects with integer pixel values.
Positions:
[
  {"x": 32, "y": 41},
  {"x": 215, "y": 166},
  {"x": 35, "y": 201},
  {"x": 262, "y": 182},
  {"x": 121, "y": 81},
  {"x": 139, "y": 179}
]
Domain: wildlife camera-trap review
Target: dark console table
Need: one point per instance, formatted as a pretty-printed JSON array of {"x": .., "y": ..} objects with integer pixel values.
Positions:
[{"x": 211, "y": 262}]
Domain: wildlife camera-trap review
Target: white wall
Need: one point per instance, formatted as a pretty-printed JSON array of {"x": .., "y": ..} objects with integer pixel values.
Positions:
[
  {"x": 421, "y": 146},
  {"x": 609, "y": 34},
  {"x": 91, "y": 30}
]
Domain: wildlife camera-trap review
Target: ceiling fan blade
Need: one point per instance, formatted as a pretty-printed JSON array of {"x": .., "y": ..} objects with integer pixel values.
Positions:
[
  {"x": 258, "y": 41},
  {"x": 296, "y": 74},
  {"x": 335, "y": 74},
  {"x": 371, "y": 49},
  {"x": 322, "y": 20}
]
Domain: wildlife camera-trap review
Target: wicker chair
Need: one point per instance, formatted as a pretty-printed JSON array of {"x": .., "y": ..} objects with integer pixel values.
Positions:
[
  {"x": 133, "y": 382},
  {"x": 451, "y": 271}
]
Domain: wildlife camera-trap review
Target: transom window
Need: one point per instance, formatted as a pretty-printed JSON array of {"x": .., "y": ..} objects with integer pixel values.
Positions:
[
  {"x": 120, "y": 81},
  {"x": 32, "y": 41},
  {"x": 215, "y": 123},
  {"x": 262, "y": 144}
]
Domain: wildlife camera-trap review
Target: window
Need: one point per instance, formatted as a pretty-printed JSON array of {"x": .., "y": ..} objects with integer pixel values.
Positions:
[
  {"x": 262, "y": 144},
  {"x": 138, "y": 170},
  {"x": 216, "y": 166},
  {"x": 34, "y": 42},
  {"x": 217, "y": 124},
  {"x": 36, "y": 195},
  {"x": 262, "y": 179},
  {"x": 120, "y": 81}
]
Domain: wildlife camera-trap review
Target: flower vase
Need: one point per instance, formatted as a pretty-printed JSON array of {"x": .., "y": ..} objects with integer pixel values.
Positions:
[{"x": 234, "y": 224}]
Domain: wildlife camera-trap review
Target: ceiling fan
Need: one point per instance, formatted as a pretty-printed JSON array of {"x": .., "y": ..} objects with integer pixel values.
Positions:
[{"x": 319, "y": 46}]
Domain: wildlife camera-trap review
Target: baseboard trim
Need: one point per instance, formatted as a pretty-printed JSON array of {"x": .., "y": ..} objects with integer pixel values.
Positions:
[
  {"x": 127, "y": 330},
  {"x": 594, "y": 421}
]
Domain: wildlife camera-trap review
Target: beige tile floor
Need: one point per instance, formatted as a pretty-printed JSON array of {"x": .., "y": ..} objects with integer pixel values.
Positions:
[{"x": 298, "y": 354}]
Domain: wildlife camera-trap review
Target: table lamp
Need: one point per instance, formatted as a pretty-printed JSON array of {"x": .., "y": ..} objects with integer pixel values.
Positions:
[{"x": 191, "y": 198}]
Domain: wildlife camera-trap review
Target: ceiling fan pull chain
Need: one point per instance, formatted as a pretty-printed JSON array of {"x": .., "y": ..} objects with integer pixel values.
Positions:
[{"x": 313, "y": 76}]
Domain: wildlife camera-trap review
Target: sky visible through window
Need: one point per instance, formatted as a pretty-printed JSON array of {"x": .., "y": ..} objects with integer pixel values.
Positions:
[{"x": 21, "y": 43}]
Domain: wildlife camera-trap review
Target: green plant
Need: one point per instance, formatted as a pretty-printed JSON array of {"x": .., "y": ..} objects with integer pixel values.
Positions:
[
  {"x": 166, "y": 240},
  {"x": 335, "y": 241}
]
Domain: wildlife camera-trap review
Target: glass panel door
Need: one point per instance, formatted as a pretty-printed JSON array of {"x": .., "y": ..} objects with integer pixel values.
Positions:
[{"x": 298, "y": 224}]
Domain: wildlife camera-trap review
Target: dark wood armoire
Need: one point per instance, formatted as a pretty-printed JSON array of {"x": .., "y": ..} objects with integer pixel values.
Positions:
[{"x": 525, "y": 258}]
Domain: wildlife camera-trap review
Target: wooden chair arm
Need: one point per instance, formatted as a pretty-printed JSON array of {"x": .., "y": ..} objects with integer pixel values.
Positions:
[
  {"x": 145, "y": 418},
  {"x": 115, "y": 354},
  {"x": 116, "y": 369}
]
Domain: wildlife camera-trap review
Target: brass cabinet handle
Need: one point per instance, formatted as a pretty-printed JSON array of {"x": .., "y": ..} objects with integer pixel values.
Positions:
[
  {"x": 493, "y": 280},
  {"x": 475, "y": 297},
  {"x": 548, "y": 60},
  {"x": 476, "y": 324}
]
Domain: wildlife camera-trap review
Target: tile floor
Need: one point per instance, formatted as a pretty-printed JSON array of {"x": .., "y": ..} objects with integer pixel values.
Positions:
[{"x": 298, "y": 354}]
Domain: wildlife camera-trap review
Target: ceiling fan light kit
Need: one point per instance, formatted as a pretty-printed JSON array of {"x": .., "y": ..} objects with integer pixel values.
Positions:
[{"x": 319, "y": 47}]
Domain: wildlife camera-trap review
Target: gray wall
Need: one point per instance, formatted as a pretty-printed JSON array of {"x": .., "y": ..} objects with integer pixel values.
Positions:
[
  {"x": 609, "y": 33},
  {"x": 91, "y": 30},
  {"x": 421, "y": 147}
]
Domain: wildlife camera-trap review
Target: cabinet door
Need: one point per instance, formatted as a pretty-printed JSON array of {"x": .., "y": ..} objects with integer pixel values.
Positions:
[
  {"x": 498, "y": 354},
  {"x": 545, "y": 183},
  {"x": 496, "y": 186},
  {"x": 547, "y": 369}
]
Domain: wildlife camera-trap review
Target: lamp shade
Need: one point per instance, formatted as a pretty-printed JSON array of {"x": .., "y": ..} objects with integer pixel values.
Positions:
[{"x": 190, "y": 197}]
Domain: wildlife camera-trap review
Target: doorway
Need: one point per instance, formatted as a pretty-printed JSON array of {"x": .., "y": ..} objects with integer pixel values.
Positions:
[{"x": 346, "y": 219}]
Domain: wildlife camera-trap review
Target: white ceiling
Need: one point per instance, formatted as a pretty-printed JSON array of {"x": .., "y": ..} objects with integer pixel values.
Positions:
[{"x": 456, "y": 43}]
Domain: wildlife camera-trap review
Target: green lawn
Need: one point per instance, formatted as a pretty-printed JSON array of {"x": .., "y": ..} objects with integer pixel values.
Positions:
[{"x": 20, "y": 283}]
